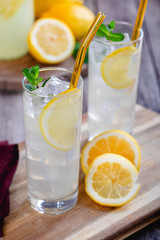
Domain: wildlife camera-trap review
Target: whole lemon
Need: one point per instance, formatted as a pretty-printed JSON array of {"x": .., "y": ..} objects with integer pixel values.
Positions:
[
  {"x": 43, "y": 5},
  {"x": 78, "y": 17}
]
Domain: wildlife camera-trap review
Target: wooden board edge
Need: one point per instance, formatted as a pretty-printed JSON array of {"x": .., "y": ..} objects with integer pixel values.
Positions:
[{"x": 137, "y": 228}]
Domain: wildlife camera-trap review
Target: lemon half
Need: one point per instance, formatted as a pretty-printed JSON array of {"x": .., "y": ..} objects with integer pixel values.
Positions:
[
  {"x": 114, "y": 141},
  {"x": 50, "y": 41},
  {"x": 111, "y": 180},
  {"x": 77, "y": 16}
]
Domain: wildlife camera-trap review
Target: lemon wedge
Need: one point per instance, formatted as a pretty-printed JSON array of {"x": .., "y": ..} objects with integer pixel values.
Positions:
[
  {"x": 60, "y": 118},
  {"x": 115, "y": 67},
  {"x": 50, "y": 41},
  {"x": 111, "y": 180},
  {"x": 114, "y": 141}
]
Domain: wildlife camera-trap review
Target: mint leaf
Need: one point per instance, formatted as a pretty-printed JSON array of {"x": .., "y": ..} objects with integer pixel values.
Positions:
[
  {"x": 76, "y": 49},
  {"x": 30, "y": 87},
  {"x": 115, "y": 37},
  {"x": 38, "y": 80},
  {"x": 111, "y": 25},
  {"x": 29, "y": 75},
  {"x": 102, "y": 31},
  {"x": 107, "y": 32},
  {"x": 35, "y": 70},
  {"x": 32, "y": 75}
]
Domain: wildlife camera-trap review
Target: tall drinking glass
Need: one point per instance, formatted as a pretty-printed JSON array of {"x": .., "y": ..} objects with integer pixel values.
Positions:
[
  {"x": 52, "y": 116},
  {"x": 113, "y": 80},
  {"x": 16, "y": 20}
]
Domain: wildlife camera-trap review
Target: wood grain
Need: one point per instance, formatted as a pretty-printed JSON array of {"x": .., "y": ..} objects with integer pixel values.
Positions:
[{"x": 88, "y": 220}]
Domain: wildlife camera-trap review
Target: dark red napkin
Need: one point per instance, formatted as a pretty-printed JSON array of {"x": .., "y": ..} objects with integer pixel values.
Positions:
[{"x": 9, "y": 156}]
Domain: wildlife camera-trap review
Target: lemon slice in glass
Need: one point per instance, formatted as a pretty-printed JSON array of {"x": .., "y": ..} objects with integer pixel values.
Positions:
[
  {"x": 60, "y": 118},
  {"x": 111, "y": 180},
  {"x": 115, "y": 67}
]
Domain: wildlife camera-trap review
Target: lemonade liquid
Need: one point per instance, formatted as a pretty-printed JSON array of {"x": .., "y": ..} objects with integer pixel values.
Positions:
[
  {"x": 110, "y": 108},
  {"x": 16, "y": 19},
  {"x": 52, "y": 174}
]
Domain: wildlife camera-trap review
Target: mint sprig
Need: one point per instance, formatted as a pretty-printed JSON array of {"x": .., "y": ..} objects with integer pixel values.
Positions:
[
  {"x": 103, "y": 31},
  {"x": 108, "y": 33},
  {"x": 32, "y": 75}
]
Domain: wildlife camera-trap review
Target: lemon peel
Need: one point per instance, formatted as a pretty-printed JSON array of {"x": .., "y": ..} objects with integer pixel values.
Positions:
[{"x": 114, "y": 141}]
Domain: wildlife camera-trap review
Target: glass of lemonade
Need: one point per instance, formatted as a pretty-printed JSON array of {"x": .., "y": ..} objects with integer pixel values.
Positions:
[
  {"x": 52, "y": 116},
  {"x": 16, "y": 19},
  {"x": 113, "y": 80}
]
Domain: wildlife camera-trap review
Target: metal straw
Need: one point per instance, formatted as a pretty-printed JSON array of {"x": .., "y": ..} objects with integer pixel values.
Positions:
[
  {"x": 139, "y": 19},
  {"x": 83, "y": 48}
]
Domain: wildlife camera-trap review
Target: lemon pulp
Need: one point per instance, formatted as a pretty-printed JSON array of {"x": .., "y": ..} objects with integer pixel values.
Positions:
[
  {"x": 111, "y": 180},
  {"x": 116, "y": 66},
  {"x": 59, "y": 120}
]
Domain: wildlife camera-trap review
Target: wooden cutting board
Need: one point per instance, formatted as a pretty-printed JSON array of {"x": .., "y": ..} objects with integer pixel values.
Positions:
[
  {"x": 11, "y": 71},
  {"x": 88, "y": 220}
]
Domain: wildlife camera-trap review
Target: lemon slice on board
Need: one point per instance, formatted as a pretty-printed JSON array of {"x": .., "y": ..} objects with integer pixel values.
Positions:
[
  {"x": 59, "y": 120},
  {"x": 50, "y": 41},
  {"x": 115, "y": 67},
  {"x": 111, "y": 180},
  {"x": 114, "y": 141}
]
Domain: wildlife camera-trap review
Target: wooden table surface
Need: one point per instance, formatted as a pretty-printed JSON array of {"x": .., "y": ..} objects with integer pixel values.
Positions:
[
  {"x": 11, "y": 109},
  {"x": 88, "y": 220}
]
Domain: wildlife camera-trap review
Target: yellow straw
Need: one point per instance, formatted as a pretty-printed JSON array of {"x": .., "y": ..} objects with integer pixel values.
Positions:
[
  {"x": 83, "y": 48},
  {"x": 139, "y": 19}
]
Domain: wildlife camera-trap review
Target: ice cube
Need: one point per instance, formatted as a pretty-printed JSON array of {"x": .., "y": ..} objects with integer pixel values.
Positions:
[
  {"x": 125, "y": 41},
  {"x": 28, "y": 106},
  {"x": 100, "y": 50},
  {"x": 56, "y": 86},
  {"x": 126, "y": 37},
  {"x": 39, "y": 100},
  {"x": 42, "y": 91},
  {"x": 42, "y": 95}
]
